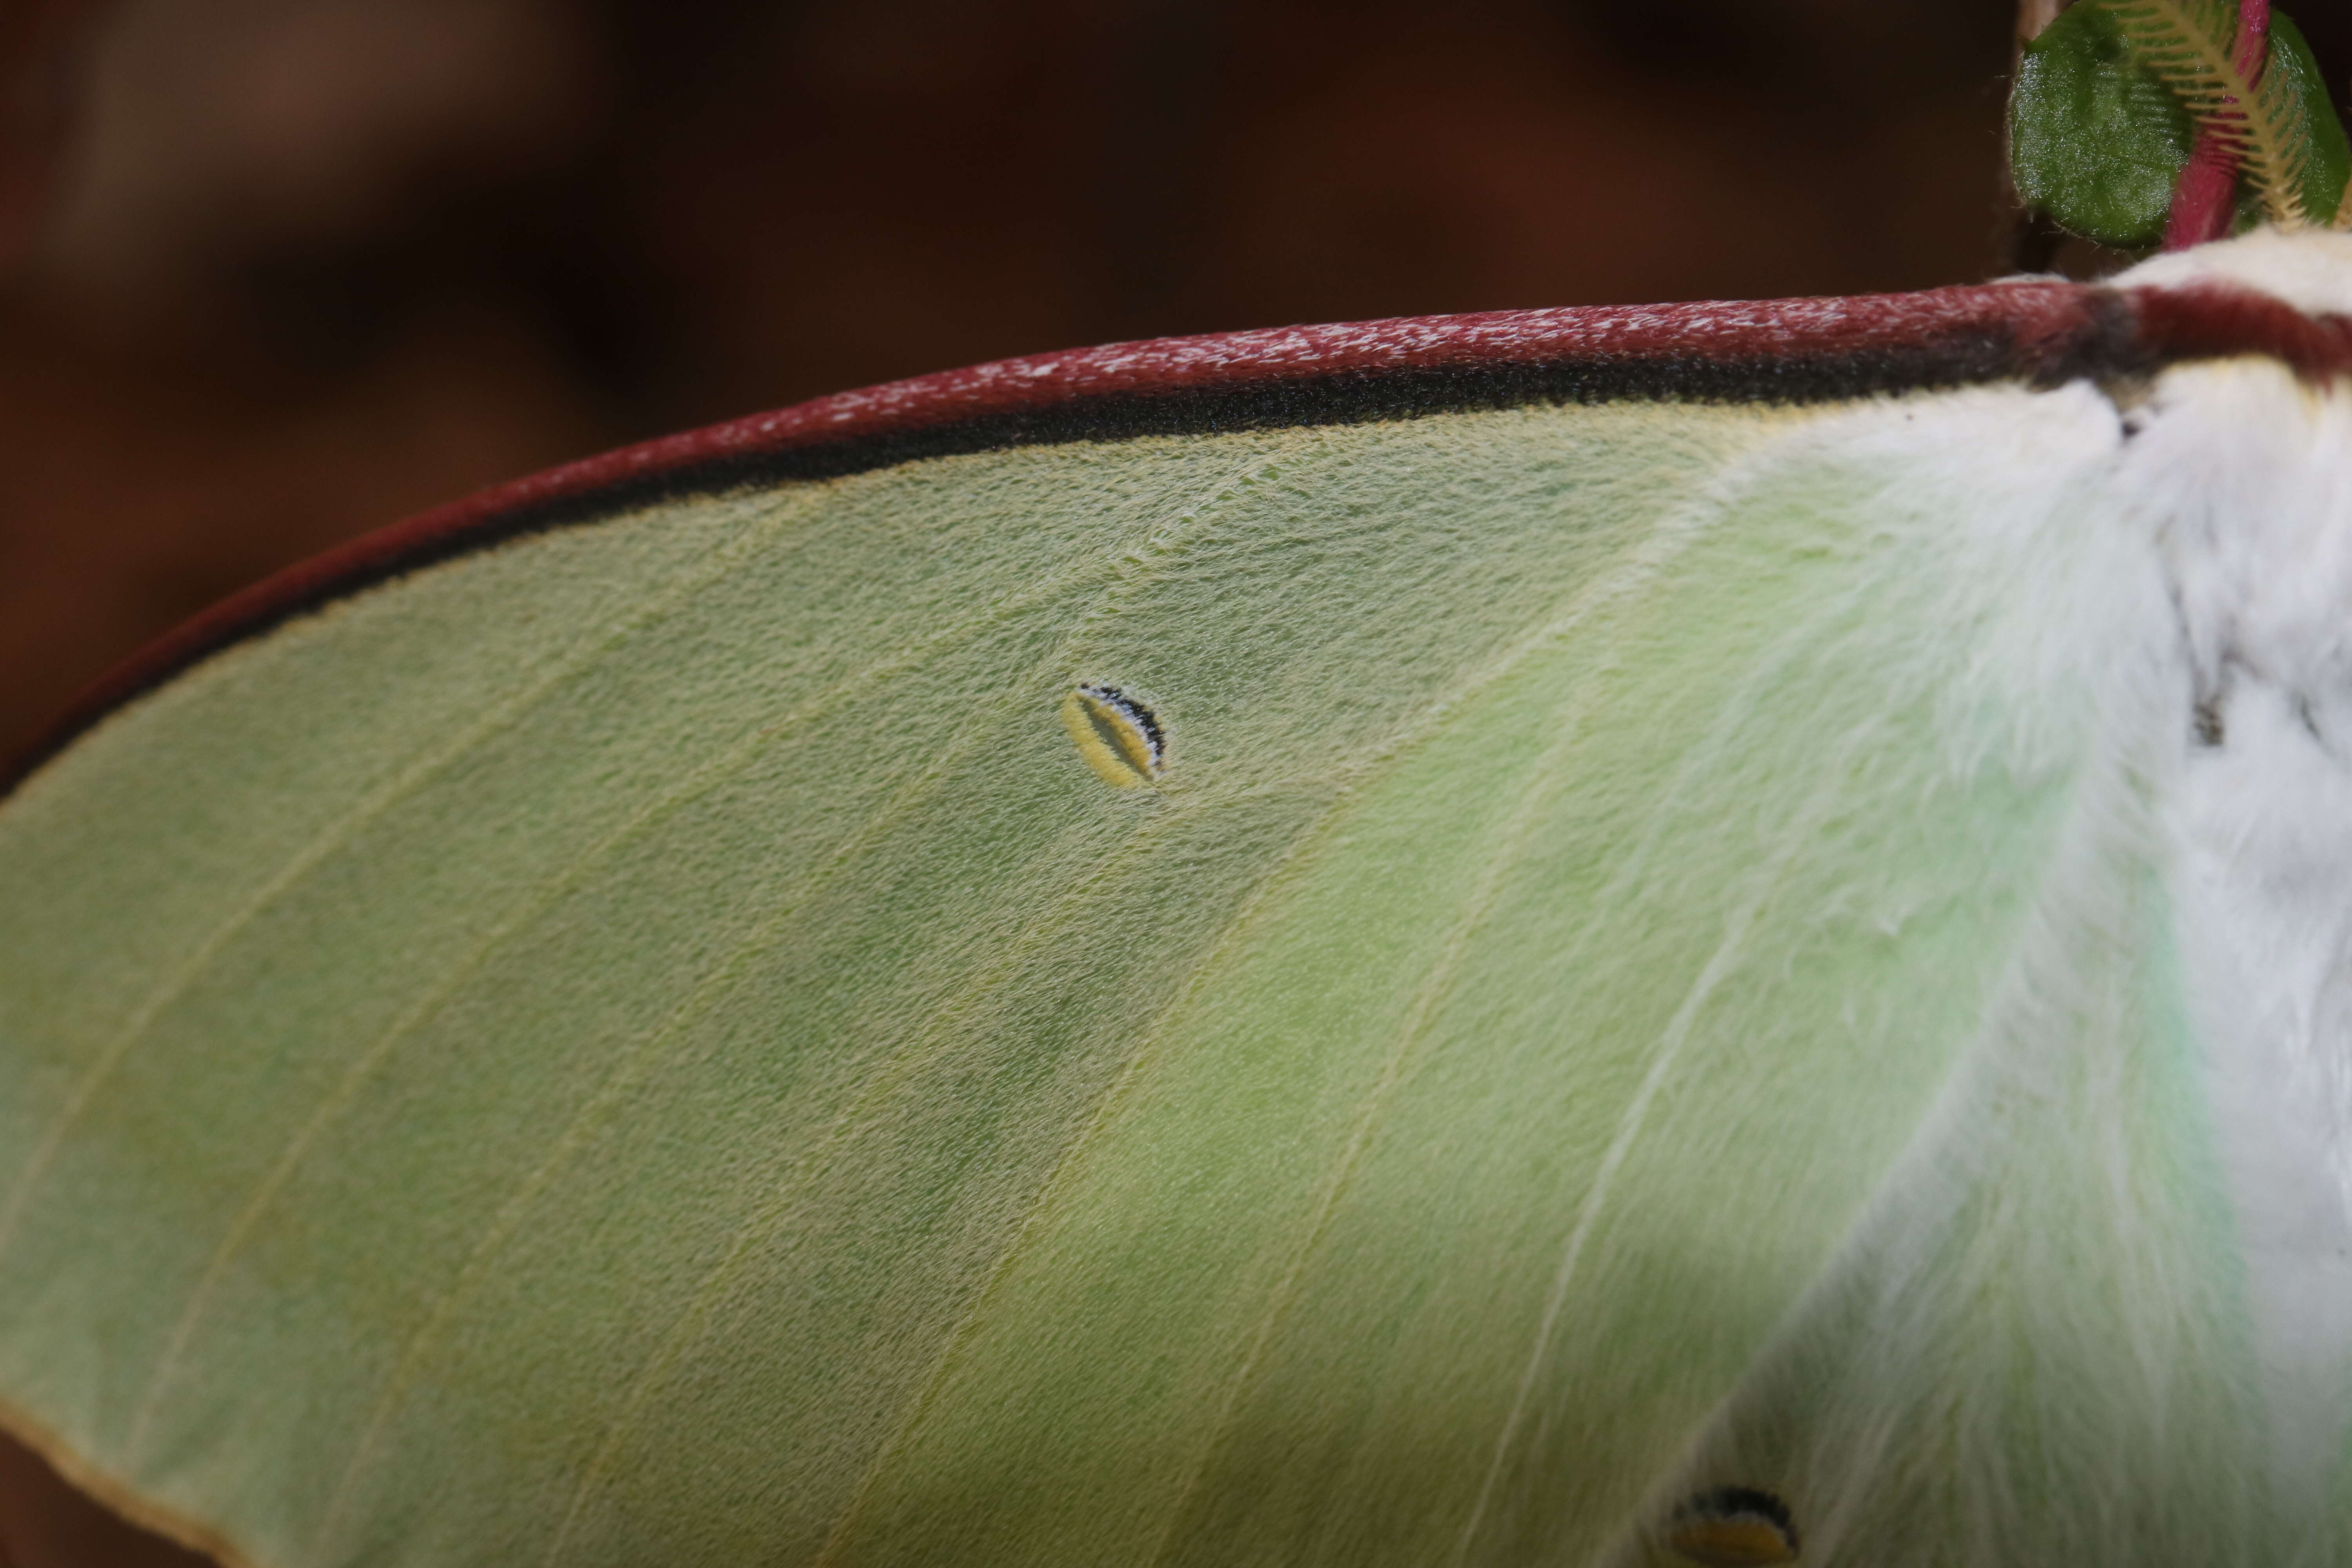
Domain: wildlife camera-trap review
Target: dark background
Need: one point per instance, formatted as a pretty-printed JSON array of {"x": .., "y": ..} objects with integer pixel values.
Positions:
[{"x": 275, "y": 272}]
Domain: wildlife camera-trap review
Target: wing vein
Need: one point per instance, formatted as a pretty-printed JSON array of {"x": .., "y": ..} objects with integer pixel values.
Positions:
[
  {"x": 1674, "y": 530},
  {"x": 1542, "y": 780},
  {"x": 576, "y": 873},
  {"x": 582, "y": 653},
  {"x": 1664, "y": 1057},
  {"x": 645, "y": 1059},
  {"x": 1133, "y": 570}
]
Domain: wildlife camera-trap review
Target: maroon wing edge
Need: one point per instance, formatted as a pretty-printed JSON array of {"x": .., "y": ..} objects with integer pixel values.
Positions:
[{"x": 2040, "y": 330}]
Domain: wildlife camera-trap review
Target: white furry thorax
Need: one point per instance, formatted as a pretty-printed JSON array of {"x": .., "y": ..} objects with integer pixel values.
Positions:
[{"x": 2243, "y": 474}]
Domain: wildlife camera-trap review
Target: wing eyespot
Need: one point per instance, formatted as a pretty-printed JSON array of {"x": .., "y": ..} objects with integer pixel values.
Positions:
[
  {"x": 1116, "y": 734},
  {"x": 1732, "y": 1527}
]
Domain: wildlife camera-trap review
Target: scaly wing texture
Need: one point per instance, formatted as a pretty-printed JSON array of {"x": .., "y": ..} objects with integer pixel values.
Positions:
[{"x": 1647, "y": 969}]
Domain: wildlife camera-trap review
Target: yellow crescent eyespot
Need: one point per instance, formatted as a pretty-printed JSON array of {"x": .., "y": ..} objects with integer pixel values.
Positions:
[
  {"x": 1118, "y": 736},
  {"x": 1732, "y": 1527}
]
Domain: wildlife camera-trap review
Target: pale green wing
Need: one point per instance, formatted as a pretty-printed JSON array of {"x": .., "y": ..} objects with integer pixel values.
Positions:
[{"x": 1643, "y": 973}]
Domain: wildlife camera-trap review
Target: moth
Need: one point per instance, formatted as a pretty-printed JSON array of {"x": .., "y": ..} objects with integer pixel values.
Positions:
[{"x": 1700, "y": 933}]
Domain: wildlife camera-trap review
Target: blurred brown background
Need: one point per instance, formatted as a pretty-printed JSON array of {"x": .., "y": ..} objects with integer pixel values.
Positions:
[{"x": 275, "y": 272}]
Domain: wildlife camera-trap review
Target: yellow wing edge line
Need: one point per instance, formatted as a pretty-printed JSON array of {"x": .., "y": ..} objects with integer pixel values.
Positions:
[{"x": 118, "y": 1496}]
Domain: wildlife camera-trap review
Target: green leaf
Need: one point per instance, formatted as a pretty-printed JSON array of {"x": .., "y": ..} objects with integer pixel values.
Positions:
[
  {"x": 2328, "y": 164},
  {"x": 2109, "y": 100},
  {"x": 2096, "y": 139}
]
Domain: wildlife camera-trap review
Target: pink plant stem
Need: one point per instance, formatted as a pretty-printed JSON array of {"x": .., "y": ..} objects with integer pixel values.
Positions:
[{"x": 2206, "y": 194}]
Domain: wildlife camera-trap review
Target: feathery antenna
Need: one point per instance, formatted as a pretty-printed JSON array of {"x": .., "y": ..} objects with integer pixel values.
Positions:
[{"x": 2250, "y": 123}]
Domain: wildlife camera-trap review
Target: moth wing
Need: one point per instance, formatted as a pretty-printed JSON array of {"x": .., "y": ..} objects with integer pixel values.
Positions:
[{"x": 646, "y": 1040}]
